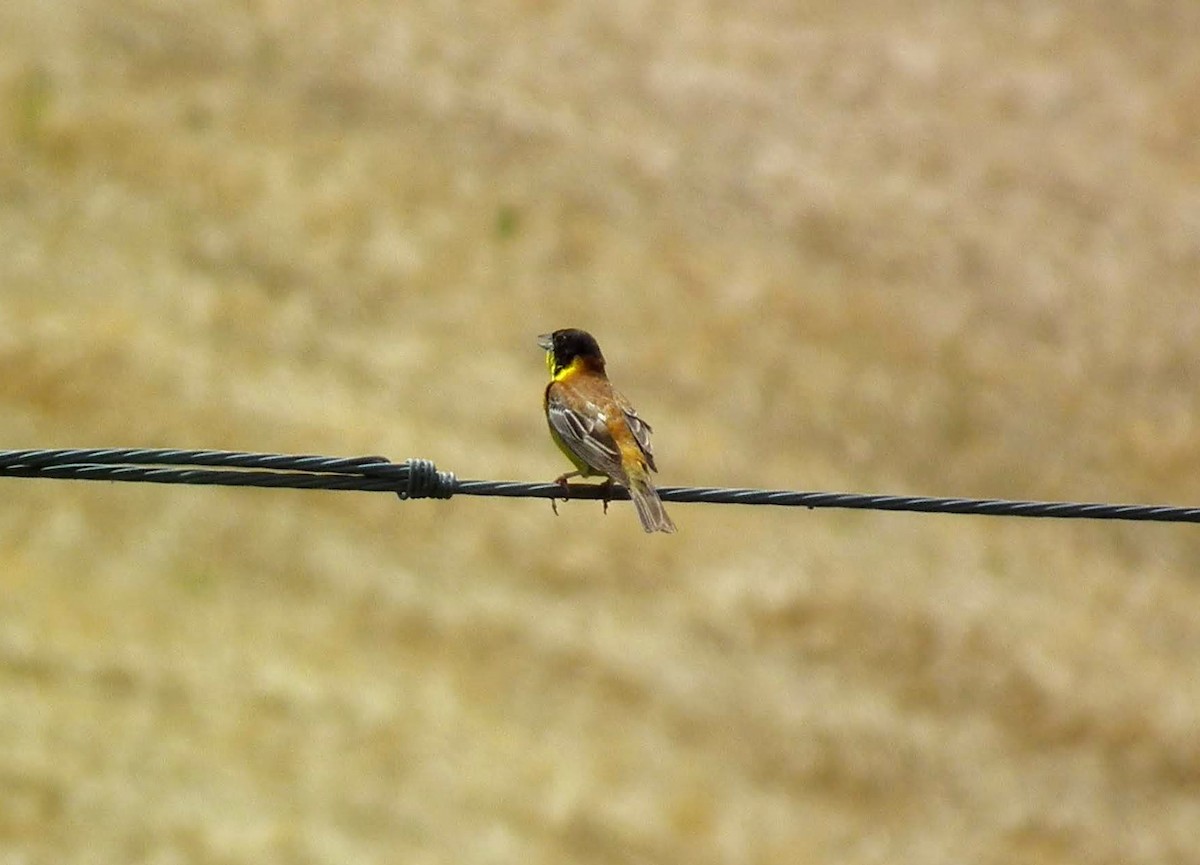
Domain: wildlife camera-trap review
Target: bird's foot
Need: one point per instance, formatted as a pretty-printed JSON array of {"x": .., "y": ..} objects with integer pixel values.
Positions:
[{"x": 561, "y": 480}]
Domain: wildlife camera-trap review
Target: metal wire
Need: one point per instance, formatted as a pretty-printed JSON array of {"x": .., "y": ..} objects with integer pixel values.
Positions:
[{"x": 416, "y": 478}]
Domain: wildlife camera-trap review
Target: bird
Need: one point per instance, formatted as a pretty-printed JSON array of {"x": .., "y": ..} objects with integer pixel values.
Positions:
[{"x": 596, "y": 427}]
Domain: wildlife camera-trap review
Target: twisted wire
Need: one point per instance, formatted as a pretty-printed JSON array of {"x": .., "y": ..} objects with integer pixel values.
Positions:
[{"x": 417, "y": 478}]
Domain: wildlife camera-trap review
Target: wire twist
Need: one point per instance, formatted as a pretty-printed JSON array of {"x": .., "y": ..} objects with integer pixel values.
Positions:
[{"x": 418, "y": 478}]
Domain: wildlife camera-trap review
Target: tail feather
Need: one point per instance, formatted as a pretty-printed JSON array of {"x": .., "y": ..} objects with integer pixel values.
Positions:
[{"x": 649, "y": 506}]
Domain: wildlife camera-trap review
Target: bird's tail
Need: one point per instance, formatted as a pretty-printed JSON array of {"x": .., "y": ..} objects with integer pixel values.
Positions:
[{"x": 649, "y": 506}]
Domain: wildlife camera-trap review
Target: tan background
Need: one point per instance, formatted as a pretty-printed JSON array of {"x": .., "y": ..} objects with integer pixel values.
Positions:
[{"x": 943, "y": 248}]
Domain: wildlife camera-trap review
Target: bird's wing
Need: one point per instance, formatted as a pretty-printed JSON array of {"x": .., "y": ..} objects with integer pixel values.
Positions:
[
  {"x": 585, "y": 433},
  {"x": 640, "y": 429}
]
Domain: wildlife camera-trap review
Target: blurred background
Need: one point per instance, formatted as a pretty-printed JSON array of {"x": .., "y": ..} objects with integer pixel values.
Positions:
[{"x": 919, "y": 247}]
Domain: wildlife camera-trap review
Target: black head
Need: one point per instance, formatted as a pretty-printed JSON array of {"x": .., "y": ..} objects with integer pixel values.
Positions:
[{"x": 565, "y": 347}]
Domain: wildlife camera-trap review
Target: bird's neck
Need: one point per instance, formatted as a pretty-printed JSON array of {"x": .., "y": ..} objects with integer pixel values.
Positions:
[{"x": 578, "y": 365}]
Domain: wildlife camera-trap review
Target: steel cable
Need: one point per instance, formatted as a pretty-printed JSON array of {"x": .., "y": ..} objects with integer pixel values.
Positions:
[{"x": 416, "y": 478}]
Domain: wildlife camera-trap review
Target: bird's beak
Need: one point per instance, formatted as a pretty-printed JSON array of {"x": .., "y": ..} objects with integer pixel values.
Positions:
[{"x": 546, "y": 341}]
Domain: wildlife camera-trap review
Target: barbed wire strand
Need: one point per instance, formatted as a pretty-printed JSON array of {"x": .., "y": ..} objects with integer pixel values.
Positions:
[{"x": 418, "y": 478}]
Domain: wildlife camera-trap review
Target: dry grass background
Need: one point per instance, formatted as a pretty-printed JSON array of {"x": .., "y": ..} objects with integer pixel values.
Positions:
[{"x": 914, "y": 247}]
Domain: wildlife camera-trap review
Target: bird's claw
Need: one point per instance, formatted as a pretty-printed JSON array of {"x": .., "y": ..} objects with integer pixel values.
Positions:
[{"x": 562, "y": 482}]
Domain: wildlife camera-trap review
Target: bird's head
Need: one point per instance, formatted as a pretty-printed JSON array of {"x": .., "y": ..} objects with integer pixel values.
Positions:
[{"x": 569, "y": 348}]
